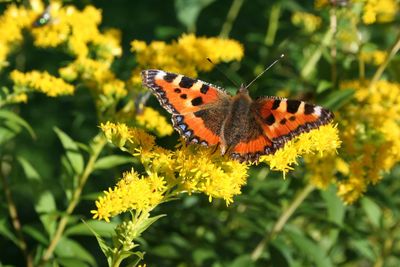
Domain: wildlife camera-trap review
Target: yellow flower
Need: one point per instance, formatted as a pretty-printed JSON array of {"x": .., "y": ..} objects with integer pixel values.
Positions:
[
  {"x": 187, "y": 55},
  {"x": 324, "y": 139},
  {"x": 120, "y": 135},
  {"x": 96, "y": 75},
  {"x": 321, "y": 3},
  {"x": 153, "y": 121},
  {"x": 352, "y": 189},
  {"x": 307, "y": 21},
  {"x": 200, "y": 171},
  {"x": 376, "y": 57},
  {"x": 18, "y": 98},
  {"x": 370, "y": 133},
  {"x": 12, "y": 21},
  {"x": 132, "y": 192},
  {"x": 41, "y": 82},
  {"x": 380, "y": 11}
]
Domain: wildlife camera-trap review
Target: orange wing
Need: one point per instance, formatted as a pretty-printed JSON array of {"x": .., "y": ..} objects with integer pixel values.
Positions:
[
  {"x": 283, "y": 119},
  {"x": 198, "y": 107}
]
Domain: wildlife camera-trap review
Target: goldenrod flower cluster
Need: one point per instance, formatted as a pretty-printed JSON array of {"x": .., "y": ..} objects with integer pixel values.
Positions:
[
  {"x": 307, "y": 21},
  {"x": 324, "y": 140},
  {"x": 379, "y": 11},
  {"x": 376, "y": 57},
  {"x": 41, "y": 82},
  {"x": 152, "y": 120},
  {"x": 195, "y": 168},
  {"x": 73, "y": 31},
  {"x": 12, "y": 21},
  {"x": 370, "y": 133},
  {"x": 132, "y": 192},
  {"x": 373, "y": 11},
  {"x": 188, "y": 55}
]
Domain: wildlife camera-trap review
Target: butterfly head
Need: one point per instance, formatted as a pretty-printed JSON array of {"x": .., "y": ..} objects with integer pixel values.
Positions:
[{"x": 242, "y": 90}]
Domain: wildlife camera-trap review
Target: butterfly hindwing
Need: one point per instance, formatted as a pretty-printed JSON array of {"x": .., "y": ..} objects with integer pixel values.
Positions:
[
  {"x": 282, "y": 119},
  {"x": 195, "y": 105}
]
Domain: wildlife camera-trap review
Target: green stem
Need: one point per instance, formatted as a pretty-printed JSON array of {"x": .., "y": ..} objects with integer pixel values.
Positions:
[
  {"x": 393, "y": 51},
  {"x": 230, "y": 18},
  {"x": 97, "y": 145},
  {"x": 313, "y": 60},
  {"x": 333, "y": 26},
  {"x": 255, "y": 255},
  {"x": 273, "y": 24},
  {"x": 16, "y": 223}
]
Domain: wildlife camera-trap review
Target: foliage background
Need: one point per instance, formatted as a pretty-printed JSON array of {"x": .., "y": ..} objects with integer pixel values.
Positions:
[{"x": 322, "y": 231}]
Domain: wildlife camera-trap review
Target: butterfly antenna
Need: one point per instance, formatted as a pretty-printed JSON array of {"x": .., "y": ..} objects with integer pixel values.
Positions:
[
  {"x": 223, "y": 73},
  {"x": 259, "y": 75}
]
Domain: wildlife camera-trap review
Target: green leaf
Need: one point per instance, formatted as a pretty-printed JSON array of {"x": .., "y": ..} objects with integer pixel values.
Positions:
[
  {"x": 102, "y": 244},
  {"x": 166, "y": 251},
  {"x": 102, "y": 228},
  {"x": 72, "y": 151},
  {"x": 336, "y": 208},
  {"x": 363, "y": 247},
  {"x": 12, "y": 117},
  {"x": 200, "y": 255},
  {"x": 323, "y": 85},
  {"x": 336, "y": 213},
  {"x": 68, "y": 248},
  {"x": 242, "y": 260},
  {"x": 280, "y": 253},
  {"x": 109, "y": 162},
  {"x": 6, "y": 231},
  {"x": 35, "y": 234},
  {"x": 337, "y": 99},
  {"x": 188, "y": 11},
  {"x": 373, "y": 211},
  {"x": 310, "y": 249},
  {"x": 71, "y": 262},
  {"x": 149, "y": 221},
  {"x": 45, "y": 204},
  {"x": 30, "y": 172}
]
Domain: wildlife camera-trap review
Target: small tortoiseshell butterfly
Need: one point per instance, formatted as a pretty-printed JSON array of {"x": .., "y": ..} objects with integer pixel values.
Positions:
[{"x": 245, "y": 129}]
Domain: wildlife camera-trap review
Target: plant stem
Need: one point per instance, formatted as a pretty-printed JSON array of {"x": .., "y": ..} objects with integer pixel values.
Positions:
[
  {"x": 333, "y": 26},
  {"x": 16, "y": 223},
  {"x": 273, "y": 24},
  {"x": 280, "y": 223},
  {"x": 230, "y": 18},
  {"x": 97, "y": 145},
  {"x": 393, "y": 51}
]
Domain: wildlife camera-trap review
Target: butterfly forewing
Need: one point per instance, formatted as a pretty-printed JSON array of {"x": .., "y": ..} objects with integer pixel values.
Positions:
[{"x": 197, "y": 107}]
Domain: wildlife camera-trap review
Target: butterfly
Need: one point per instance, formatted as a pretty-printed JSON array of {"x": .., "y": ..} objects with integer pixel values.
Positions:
[{"x": 244, "y": 128}]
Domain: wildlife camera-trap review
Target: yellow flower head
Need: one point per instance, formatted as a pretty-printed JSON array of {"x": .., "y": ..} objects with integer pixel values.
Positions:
[
  {"x": 153, "y": 121},
  {"x": 200, "y": 171},
  {"x": 132, "y": 192},
  {"x": 187, "y": 55},
  {"x": 42, "y": 82},
  {"x": 371, "y": 144},
  {"x": 307, "y": 21},
  {"x": 325, "y": 139},
  {"x": 120, "y": 135},
  {"x": 376, "y": 57},
  {"x": 380, "y": 11}
]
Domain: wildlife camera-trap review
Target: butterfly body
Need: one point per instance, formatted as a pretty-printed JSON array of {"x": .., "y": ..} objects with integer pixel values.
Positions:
[{"x": 242, "y": 127}]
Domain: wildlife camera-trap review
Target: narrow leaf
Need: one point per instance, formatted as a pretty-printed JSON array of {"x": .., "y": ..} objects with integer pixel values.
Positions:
[
  {"x": 72, "y": 151},
  {"x": 111, "y": 161},
  {"x": 69, "y": 248},
  {"x": 11, "y": 116},
  {"x": 102, "y": 228}
]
